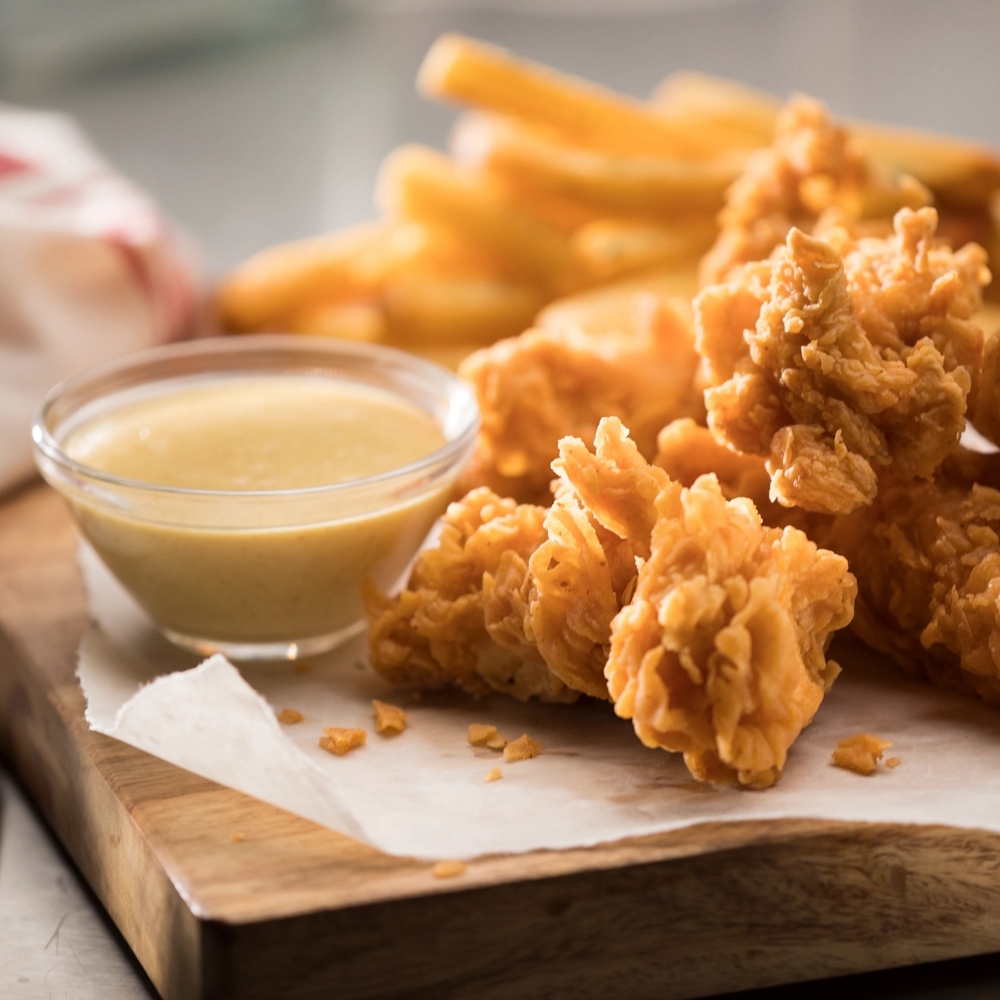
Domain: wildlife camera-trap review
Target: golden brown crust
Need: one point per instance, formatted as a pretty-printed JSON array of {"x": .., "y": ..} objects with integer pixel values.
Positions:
[
  {"x": 812, "y": 166},
  {"x": 854, "y": 363},
  {"x": 584, "y": 571},
  {"x": 535, "y": 389},
  {"x": 457, "y": 620},
  {"x": 721, "y": 653},
  {"x": 927, "y": 558}
]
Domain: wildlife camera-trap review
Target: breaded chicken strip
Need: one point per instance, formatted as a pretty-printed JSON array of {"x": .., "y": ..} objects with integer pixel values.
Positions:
[
  {"x": 813, "y": 165},
  {"x": 518, "y": 599},
  {"x": 598, "y": 530},
  {"x": 721, "y": 652},
  {"x": 460, "y": 620},
  {"x": 927, "y": 558},
  {"x": 839, "y": 366},
  {"x": 549, "y": 384}
]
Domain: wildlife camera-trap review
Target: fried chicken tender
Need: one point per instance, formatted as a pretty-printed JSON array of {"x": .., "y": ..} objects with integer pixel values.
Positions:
[
  {"x": 840, "y": 365},
  {"x": 598, "y": 528},
  {"x": 927, "y": 558},
  {"x": 549, "y": 384},
  {"x": 986, "y": 418},
  {"x": 812, "y": 166},
  {"x": 721, "y": 652},
  {"x": 460, "y": 619}
]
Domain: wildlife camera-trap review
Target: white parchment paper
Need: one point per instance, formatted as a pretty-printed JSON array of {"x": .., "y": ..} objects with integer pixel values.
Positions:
[{"x": 423, "y": 793}]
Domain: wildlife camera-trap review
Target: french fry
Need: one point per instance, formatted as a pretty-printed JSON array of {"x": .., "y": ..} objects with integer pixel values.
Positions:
[
  {"x": 444, "y": 309},
  {"x": 422, "y": 184},
  {"x": 640, "y": 185},
  {"x": 612, "y": 248},
  {"x": 343, "y": 266},
  {"x": 746, "y": 114},
  {"x": 961, "y": 173},
  {"x": 612, "y": 307},
  {"x": 364, "y": 321},
  {"x": 471, "y": 72}
]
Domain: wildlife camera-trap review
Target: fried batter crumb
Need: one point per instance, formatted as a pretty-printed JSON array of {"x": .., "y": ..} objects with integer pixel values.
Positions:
[
  {"x": 861, "y": 753},
  {"x": 390, "y": 720},
  {"x": 237, "y": 838},
  {"x": 480, "y": 733},
  {"x": 497, "y": 742},
  {"x": 339, "y": 740},
  {"x": 893, "y": 761},
  {"x": 523, "y": 748},
  {"x": 495, "y": 774},
  {"x": 289, "y": 716},
  {"x": 448, "y": 869}
]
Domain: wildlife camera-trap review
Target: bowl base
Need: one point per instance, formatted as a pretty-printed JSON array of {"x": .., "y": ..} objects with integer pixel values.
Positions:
[{"x": 246, "y": 651}]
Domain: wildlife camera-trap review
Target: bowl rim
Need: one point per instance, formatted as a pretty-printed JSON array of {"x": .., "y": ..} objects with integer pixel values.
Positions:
[{"x": 46, "y": 444}]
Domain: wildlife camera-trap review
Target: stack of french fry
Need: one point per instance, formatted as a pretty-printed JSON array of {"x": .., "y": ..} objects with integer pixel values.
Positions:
[{"x": 552, "y": 186}]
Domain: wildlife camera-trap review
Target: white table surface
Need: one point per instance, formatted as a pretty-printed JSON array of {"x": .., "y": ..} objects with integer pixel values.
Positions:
[{"x": 250, "y": 143}]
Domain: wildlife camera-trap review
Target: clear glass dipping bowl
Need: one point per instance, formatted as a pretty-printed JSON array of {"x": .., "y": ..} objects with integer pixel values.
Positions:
[{"x": 257, "y": 575}]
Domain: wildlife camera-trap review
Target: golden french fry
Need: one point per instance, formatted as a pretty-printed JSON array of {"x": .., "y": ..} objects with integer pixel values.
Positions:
[
  {"x": 422, "y": 184},
  {"x": 363, "y": 321},
  {"x": 612, "y": 307},
  {"x": 611, "y": 248},
  {"x": 442, "y": 309},
  {"x": 347, "y": 265},
  {"x": 746, "y": 114},
  {"x": 640, "y": 185},
  {"x": 463, "y": 69},
  {"x": 962, "y": 174}
]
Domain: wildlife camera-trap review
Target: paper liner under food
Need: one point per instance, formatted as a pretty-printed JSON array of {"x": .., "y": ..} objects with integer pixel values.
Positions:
[{"x": 424, "y": 792}]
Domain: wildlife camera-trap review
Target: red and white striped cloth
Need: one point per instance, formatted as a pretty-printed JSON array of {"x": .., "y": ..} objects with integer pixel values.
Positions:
[{"x": 89, "y": 270}]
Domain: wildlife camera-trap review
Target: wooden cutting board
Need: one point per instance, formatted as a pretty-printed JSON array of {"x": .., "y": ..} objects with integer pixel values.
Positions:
[{"x": 297, "y": 911}]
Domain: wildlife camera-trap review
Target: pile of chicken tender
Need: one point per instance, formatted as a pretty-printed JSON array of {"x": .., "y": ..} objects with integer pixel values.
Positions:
[{"x": 677, "y": 515}]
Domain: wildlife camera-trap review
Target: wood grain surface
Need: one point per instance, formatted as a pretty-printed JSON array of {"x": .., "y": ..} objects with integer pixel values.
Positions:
[{"x": 298, "y": 911}]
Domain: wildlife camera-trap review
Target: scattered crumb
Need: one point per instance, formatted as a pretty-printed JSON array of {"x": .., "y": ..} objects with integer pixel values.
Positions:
[
  {"x": 497, "y": 742},
  {"x": 893, "y": 761},
  {"x": 448, "y": 869},
  {"x": 480, "y": 734},
  {"x": 523, "y": 748},
  {"x": 338, "y": 740},
  {"x": 390, "y": 720},
  {"x": 302, "y": 666},
  {"x": 860, "y": 753},
  {"x": 494, "y": 774},
  {"x": 289, "y": 716},
  {"x": 237, "y": 838}
]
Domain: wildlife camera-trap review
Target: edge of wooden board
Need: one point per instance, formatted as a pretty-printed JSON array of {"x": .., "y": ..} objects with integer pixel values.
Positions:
[{"x": 293, "y": 908}]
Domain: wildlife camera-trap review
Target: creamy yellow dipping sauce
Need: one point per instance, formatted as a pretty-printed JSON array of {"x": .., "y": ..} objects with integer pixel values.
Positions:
[
  {"x": 277, "y": 433},
  {"x": 252, "y": 570}
]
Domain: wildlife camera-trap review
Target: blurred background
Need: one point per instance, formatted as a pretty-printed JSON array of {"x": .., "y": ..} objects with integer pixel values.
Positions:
[{"x": 255, "y": 121}]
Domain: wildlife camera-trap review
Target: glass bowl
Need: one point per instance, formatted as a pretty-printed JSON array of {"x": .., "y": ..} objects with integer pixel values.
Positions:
[{"x": 267, "y": 574}]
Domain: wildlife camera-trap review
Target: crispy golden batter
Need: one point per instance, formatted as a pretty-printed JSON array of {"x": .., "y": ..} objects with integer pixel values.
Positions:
[
  {"x": 838, "y": 366},
  {"x": 861, "y": 753},
  {"x": 339, "y": 740},
  {"x": 927, "y": 558},
  {"x": 585, "y": 570},
  {"x": 547, "y": 384},
  {"x": 460, "y": 619},
  {"x": 390, "y": 720},
  {"x": 721, "y": 652},
  {"x": 986, "y": 418},
  {"x": 813, "y": 165}
]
